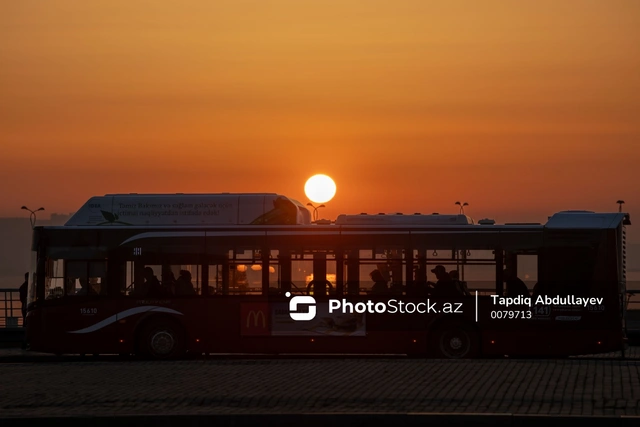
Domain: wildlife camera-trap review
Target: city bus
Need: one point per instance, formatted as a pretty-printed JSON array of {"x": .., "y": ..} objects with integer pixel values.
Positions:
[{"x": 173, "y": 275}]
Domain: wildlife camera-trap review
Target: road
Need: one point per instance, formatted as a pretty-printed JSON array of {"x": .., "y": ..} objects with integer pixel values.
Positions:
[{"x": 103, "y": 387}]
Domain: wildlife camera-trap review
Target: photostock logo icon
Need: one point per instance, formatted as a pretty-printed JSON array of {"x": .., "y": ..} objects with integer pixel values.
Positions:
[{"x": 301, "y": 300}]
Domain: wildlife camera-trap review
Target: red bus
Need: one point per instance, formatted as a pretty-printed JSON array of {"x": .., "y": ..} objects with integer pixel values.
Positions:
[{"x": 164, "y": 276}]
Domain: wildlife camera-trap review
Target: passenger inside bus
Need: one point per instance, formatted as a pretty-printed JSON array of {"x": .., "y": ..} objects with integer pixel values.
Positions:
[
  {"x": 460, "y": 285},
  {"x": 85, "y": 287},
  {"x": 168, "y": 281},
  {"x": 183, "y": 285},
  {"x": 515, "y": 286},
  {"x": 151, "y": 286},
  {"x": 380, "y": 284},
  {"x": 396, "y": 288},
  {"x": 420, "y": 286},
  {"x": 444, "y": 287}
]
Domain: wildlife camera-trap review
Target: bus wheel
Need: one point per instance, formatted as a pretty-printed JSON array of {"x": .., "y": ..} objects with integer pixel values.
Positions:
[
  {"x": 455, "y": 341},
  {"x": 162, "y": 339}
]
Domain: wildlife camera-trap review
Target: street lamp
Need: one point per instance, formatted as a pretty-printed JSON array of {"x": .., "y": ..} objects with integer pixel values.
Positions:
[
  {"x": 462, "y": 205},
  {"x": 315, "y": 210},
  {"x": 620, "y": 203},
  {"x": 32, "y": 216}
]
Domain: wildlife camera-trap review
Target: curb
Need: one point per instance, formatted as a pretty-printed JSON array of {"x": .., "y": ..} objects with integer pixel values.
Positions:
[{"x": 327, "y": 419}]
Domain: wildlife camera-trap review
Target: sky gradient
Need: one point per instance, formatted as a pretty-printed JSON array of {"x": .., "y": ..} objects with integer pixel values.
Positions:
[{"x": 519, "y": 108}]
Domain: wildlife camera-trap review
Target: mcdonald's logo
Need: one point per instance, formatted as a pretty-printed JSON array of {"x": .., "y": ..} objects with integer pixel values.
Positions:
[{"x": 256, "y": 316}]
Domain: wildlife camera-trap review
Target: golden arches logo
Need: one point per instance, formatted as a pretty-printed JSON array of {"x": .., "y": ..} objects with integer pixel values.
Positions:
[{"x": 257, "y": 315}]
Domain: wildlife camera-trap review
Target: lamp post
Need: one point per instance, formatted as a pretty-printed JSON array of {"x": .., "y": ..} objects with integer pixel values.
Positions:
[
  {"x": 315, "y": 210},
  {"x": 620, "y": 203},
  {"x": 462, "y": 205},
  {"x": 32, "y": 216}
]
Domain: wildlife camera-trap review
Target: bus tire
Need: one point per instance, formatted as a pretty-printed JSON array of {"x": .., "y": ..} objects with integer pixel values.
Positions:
[
  {"x": 161, "y": 339},
  {"x": 454, "y": 341}
]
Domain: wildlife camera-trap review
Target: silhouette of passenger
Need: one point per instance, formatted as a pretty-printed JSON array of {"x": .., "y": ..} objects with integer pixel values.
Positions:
[
  {"x": 420, "y": 287},
  {"x": 168, "y": 281},
  {"x": 380, "y": 284},
  {"x": 444, "y": 287},
  {"x": 152, "y": 286},
  {"x": 183, "y": 285},
  {"x": 460, "y": 285},
  {"x": 515, "y": 286},
  {"x": 396, "y": 288},
  {"x": 85, "y": 287},
  {"x": 23, "y": 290}
]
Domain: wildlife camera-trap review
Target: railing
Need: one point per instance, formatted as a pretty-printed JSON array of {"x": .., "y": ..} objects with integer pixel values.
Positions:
[{"x": 10, "y": 309}]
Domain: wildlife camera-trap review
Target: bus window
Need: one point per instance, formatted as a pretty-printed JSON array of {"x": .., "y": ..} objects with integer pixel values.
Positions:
[
  {"x": 97, "y": 277},
  {"x": 476, "y": 268},
  {"x": 366, "y": 264},
  {"x": 323, "y": 279},
  {"x": 425, "y": 261},
  {"x": 380, "y": 270},
  {"x": 188, "y": 280},
  {"x": 74, "y": 278},
  {"x": 215, "y": 282},
  {"x": 479, "y": 277},
  {"x": 238, "y": 273},
  {"x": 301, "y": 272},
  {"x": 139, "y": 282},
  {"x": 244, "y": 279},
  {"x": 255, "y": 274},
  {"x": 395, "y": 270},
  {"x": 275, "y": 281},
  {"x": 164, "y": 279},
  {"x": 527, "y": 269},
  {"x": 179, "y": 280},
  {"x": 129, "y": 279},
  {"x": 54, "y": 278}
]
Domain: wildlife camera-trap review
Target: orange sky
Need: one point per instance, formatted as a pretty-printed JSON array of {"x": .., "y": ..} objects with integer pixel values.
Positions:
[{"x": 519, "y": 108}]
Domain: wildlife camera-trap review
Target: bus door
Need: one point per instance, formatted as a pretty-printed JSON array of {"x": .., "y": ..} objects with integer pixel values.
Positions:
[
  {"x": 571, "y": 271},
  {"x": 79, "y": 316}
]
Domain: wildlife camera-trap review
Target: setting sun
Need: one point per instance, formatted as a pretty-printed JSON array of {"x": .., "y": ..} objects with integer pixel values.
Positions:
[{"x": 320, "y": 188}]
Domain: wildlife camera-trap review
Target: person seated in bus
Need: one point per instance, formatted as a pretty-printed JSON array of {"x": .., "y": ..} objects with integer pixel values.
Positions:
[
  {"x": 151, "y": 288},
  {"x": 85, "y": 287},
  {"x": 515, "y": 286},
  {"x": 168, "y": 282},
  {"x": 183, "y": 285},
  {"x": 420, "y": 286},
  {"x": 95, "y": 284},
  {"x": 444, "y": 287},
  {"x": 380, "y": 284},
  {"x": 396, "y": 288},
  {"x": 461, "y": 285}
]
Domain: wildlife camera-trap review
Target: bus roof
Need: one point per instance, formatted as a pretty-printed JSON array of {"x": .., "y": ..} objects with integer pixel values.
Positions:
[
  {"x": 587, "y": 220},
  {"x": 190, "y": 209},
  {"x": 227, "y": 209},
  {"x": 401, "y": 219}
]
